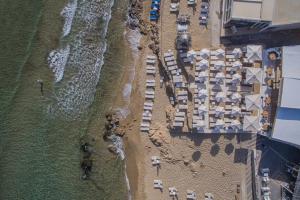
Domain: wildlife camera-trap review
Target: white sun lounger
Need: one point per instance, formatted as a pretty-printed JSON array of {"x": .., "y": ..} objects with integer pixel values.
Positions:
[
  {"x": 151, "y": 57},
  {"x": 180, "y": 114},
  {"x": 179, "y": 119},
  {"x": 147, "y": 118},
  {"x": 178, "y": 124},
  {"x": 182, "y": 106},
  {"x": 174, "y": 67},
  {"x": 168, "y": 54},
  {"x": 144, "y": 129},
  {"x": 151, "y": 71},
  {"x": 155, "y": 160},
  {"x": 150, "y": 67},
  {"x": 149, "y": 96},
  {"x": 151, "y": 62},
  {"x": 182, "y": 92},
  {"x": 157, "y": 184},
  {"x": 171, "y": 58},
  {"x": 171, "y": 63},
  {"x": 149, "y": 92}
]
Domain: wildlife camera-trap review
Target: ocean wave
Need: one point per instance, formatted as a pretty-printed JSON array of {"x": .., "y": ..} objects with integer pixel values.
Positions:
[
  {"x": 68, "y": 13},
  {"x": 57, "y": 60}
]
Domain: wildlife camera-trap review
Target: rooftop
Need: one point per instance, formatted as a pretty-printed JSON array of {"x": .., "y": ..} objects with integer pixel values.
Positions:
[{"x": 286, "y": 12}]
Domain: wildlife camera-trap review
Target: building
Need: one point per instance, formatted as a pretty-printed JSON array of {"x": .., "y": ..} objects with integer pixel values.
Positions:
[
  {"x": 286, "y": 126},
  {"x": 260, "y": 15}
]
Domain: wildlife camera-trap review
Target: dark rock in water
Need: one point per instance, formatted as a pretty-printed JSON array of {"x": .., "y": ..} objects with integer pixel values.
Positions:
[
  {"x": 111, "y": 148},
  {"x": 85, "y": 147}
]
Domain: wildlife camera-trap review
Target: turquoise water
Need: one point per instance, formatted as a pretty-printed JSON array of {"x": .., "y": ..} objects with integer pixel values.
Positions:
[{"x": 40, "y": 139}]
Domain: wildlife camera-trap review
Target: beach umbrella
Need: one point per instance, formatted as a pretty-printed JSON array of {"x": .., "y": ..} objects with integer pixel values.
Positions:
[
  {"x": 191, "y": 54},
  {"x": 235, "y": 111},
  {"x": 202, "y": 109},
  {"x": 204, "y": 53},
  {"x": 220, "y": 110},
  {"x": 251, "y": 124},
  {"x": 237, "y": 52},
  {"x": 236, "y": 78},
  {"x": 253, "y": 75},
  {"x": 236, "y": 65},
  {"x": 220, "y": 53},
  {"x": 254, "y": 52},
  {"x": 220, "y": 76},
  {"x": 235, "y": 124},
  {"x": 235, "y": 97},
  {"x": 202, "y": 93},
  {"x": 220, "y": 96},
  {"x": 203, "y": 64},
  {"x": 203, "y": 75},
  {"x": 219, "y": 65},
  {"x": 253, "y": 102},
  {"x": 219, "y": 124}
]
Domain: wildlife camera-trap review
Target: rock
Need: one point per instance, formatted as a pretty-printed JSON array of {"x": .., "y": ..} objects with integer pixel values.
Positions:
[
  {"x": 119, "y": 131},
  {"x": 186, "y": 162},
  {"x": 139, "y": 48},
  {"x": 111, "y": 148},
  {"x": 193, "y": 167}
]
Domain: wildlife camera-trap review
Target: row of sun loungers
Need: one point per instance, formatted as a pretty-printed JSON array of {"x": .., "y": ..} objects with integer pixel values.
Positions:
[{"x": 149, "y": 93}]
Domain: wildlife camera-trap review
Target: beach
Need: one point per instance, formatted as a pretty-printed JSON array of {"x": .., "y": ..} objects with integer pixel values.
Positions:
[{"x": 204, "y": 163}]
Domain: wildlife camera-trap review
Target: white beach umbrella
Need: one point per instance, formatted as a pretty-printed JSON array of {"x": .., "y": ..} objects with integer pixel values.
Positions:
[
  {"x": 202, "y": 109},
  {"x": 203, "y": 76},
  {"x": 204, "y": 53},
  {"x": 236, "y": 65},
  {"x": 219, "y": 124},
  {"x": 220, "y": 96},
  {"x": 219, "y": 65},
  {"x": 191, "y": 54},
  {"x": 251, "y": 124},
  {"x": 220, "y": 76},
  {"x": 237, "y": 52},
  {"x": 254, "y": 52},
  {"x": 220, "y": 110},
  {"x": 253, "y": 75},
  {"x": 235, "y": 111},
  {"x": 235, "y": 124},
  {"x": 203, "y": 93},
  {"x": 203, "y": 64},
  {"x": 253, "y": 102},
  {"x": 236, "y": 78},
  {"x": 220, "y": 53},
  {"x": 235, "y": 97}
]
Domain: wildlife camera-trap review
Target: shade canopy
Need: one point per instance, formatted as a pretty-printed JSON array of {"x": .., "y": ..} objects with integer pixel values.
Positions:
[
  {"x": 220, "y": 96},
  {"x": 219, "y": 124},
  {"x": 203, "y": 93},
  {"x": 220, "y": 53},
  {"x": 236, "y": 65},
  {"x": 236, "y": 78},
  {"x": 251, "y": 124},
  {"x": 202, "y": 109},
  {"x": 236, "y": 97},
  {"x": 235, "y": 124},
  {"x": 236, "y": 111},
  {"x": 253, "y": 102},
  {"x": 203, "y": 64},
  {"x": 254, "y": 53},
  {"x": 220, "y": 110},
  {"x": 253, "y": 75},
  {"x": 219, "y": 65},
  {"x": 237, "y": 52},
  {"x": 204, "y": 53}
]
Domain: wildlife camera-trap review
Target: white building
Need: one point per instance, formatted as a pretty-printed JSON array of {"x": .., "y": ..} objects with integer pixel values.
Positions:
[{"x": 287, "y": 122}]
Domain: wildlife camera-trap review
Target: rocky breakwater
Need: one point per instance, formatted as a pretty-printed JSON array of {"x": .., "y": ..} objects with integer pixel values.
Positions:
[
  {"x": 113, "y": 129},
  {"x": 146, "y": 28}
]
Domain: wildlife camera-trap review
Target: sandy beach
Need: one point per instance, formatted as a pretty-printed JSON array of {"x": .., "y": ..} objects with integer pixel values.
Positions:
[{"x": 199, "y": 162}]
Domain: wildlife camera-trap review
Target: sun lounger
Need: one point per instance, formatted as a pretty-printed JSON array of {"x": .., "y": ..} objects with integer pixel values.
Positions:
[
  {"x": 151, "y": 71},
  {"x": 146, "y": 118},
  {"x": 179, "y": 119},
  {"x": 168, "y": 59},
  {"x": 149, "y": 92},
  {"x": 151, "y": 57},
  {"x": 149, "y": 96},
  {"x": 183, "y": 107},
  {"x": 145, "y": 124},
  {"x": 150, "y": 67},
  {"x": 180, "y": 114},
  {"x": 183, "y": 55},
  {"x": 155, "y": 160},
  {"x": 168, "y": 54},
  {"x": 151, "y": 62},
  {"x": 171, "y": 63},
  {"x": 157, "y": 184},
  {"x": 144, "y": 129},
  {"x": 172, "y": 191},
  {"x": 187, "y": 60},
  {"x": 174, "y": 67},
  {"x": 190, "y": 195},
  {"x": 178, "y": 124},
  {"x": 183, "y": 92}
]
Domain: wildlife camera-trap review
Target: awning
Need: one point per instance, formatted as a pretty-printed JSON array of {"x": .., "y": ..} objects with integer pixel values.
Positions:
[
  {"x": 253, "y": 102},
  {"x": 251, "y": 124}
]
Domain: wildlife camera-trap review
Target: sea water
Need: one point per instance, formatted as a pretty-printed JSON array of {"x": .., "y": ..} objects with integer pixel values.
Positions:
[{"x": 40, "y": 134}]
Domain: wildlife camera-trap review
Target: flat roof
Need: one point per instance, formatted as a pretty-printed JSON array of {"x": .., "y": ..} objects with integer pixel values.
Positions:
[
  {"x": 253, "y": 9},
  {"x": 290, "y": 61},
  {"x": 287, "y": 124},
  {"x": 286, "y": 12},
  {"x": 290, "y": 95}
]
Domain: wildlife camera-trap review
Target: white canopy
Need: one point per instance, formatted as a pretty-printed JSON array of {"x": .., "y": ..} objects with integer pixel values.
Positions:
[
  {"x": 251, "y": 124},
  {"x": 253, "y": 102},
  {"x": 191, "y": 54},
  {"x": 202, "y": 109},
  {"x": 220, "y": 75},
  {"x": 219, "y": 124},
  {"x": 220, "y": 53},
  {"x": 236, "y": 65},
  {"x": 254, "y": 52},
  {"x": 236, "y": 78},
  {"x": 219, "y": 65},
  {"x": 203, "y": 64},
  {"x": 204, "y": 53},
  {"x": 235, "y": 124},
  {"x": 237, "y": 52},
  {"x": 220, "y": 96},
  {"x": 202, "y": 93},
  {"x": 253, "y": 75},
  {"x": 235, "y": 111},
  {"x": 236, "y": 97},
  {"x": 220, "y": 110}
]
